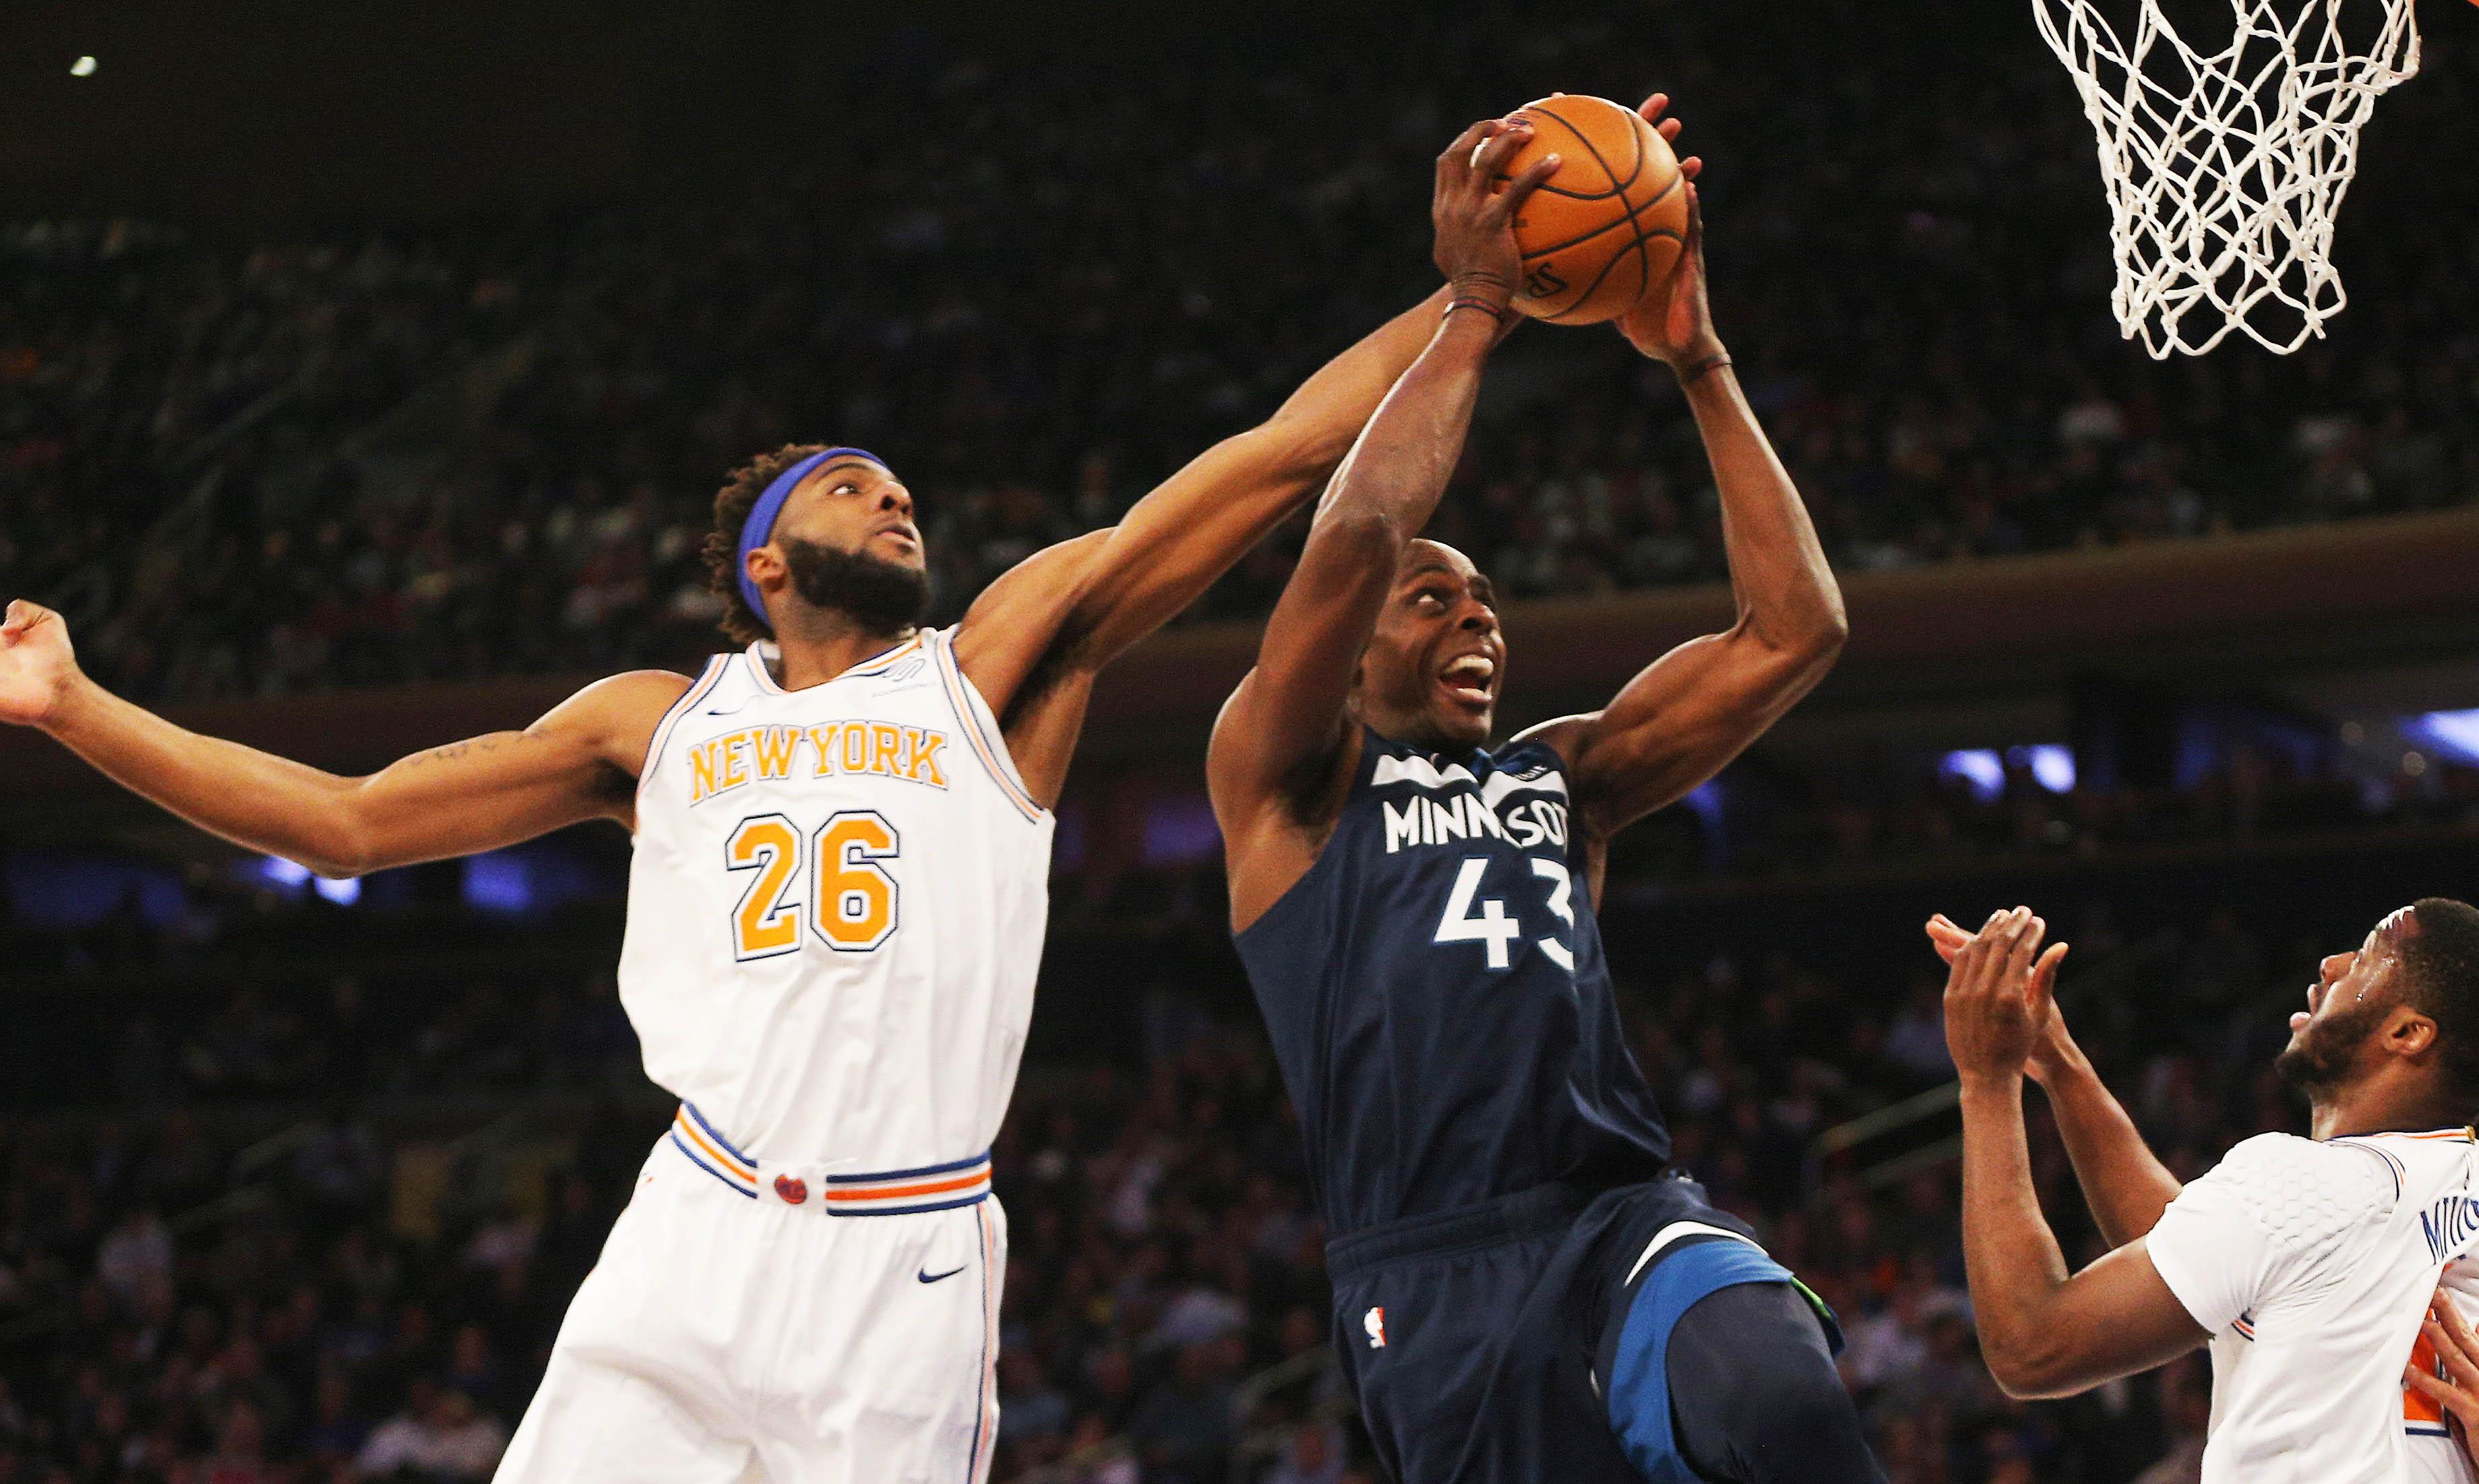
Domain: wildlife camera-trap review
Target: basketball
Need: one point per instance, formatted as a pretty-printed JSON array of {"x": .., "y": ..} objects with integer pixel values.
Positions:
[{"x": 1604, "y": 229}]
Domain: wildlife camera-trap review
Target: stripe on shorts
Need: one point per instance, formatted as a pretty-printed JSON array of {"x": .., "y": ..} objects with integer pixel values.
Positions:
[
  {"x": 895, "y": 1192},
  {"x": 712, "y": 1153}
]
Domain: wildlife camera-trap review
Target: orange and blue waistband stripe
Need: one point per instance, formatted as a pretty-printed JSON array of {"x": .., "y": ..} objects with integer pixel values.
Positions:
[
  {"x": 710, "y": 1152},
  {"x": 931, "y": 1188},
  {"x": 886, "y": 1194}
]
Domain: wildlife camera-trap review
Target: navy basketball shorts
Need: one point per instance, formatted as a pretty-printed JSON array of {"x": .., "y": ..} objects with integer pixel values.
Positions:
[{"x": 1555, "y": 1336}]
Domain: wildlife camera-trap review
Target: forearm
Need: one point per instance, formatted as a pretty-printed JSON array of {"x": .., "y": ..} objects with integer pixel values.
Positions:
[
  {"x": 2016, "y": 1266},
  {"x": 1172, "y": 545},
  {"x": 2125, "y": 1186},
  {"x": 1397, "y": 472},
  {"x": 1318, "y": 421},
  {"x": 478, "y": 794},
  {"x": 1785, "y": 589},
  {"x": 251, "y": 797}
]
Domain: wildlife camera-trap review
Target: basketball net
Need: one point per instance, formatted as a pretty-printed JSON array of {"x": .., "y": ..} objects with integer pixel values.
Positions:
[{"x": 2224, "y": 169}]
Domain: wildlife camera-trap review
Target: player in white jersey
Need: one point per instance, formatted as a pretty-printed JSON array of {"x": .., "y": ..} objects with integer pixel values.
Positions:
[
  {"x": 2305, "y": 1264},
  {"x": 2440, "y": 1404},
  {"x": 835, "y": 916},
  {"x": 2443, "y": 1383}
]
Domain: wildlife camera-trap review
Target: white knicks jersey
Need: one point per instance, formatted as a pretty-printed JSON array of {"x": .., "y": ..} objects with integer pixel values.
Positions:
[
  {"x": 836, "y": 911},
  {"x": 2309, "y": 1264},
  {"x": 2435, "y": 1455}
]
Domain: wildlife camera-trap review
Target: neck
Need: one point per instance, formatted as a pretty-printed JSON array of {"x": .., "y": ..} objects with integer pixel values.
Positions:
[
  {"x": 1412, "y": 731},
  {"x": 2382, "y": 1109},
  {"x": 820, "y": 645}
]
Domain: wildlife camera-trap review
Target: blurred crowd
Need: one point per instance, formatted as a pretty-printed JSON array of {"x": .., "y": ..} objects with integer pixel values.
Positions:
[
  {"x": 271, "y": 1222},
  {"x": 1765, "y": 820},
  {"x": 285, "y": 1226},
  {"x": 457, "y": 450}
]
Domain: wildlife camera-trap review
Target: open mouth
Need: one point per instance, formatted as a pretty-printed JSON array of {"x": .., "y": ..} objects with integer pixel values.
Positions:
[{"x": 1468, "y": 679}]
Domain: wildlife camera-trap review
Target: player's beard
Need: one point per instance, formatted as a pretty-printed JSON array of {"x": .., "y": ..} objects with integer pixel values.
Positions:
[
  {"x": 880, "y": 597},
  {"x": 2319, "y": 1059}
]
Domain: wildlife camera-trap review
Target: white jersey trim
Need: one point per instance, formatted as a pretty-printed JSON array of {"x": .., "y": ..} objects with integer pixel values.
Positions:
[
  {"x": 986, "y": 742},
  {"x": 697, "y": 692},
  {"x": 767, "y": 685}
]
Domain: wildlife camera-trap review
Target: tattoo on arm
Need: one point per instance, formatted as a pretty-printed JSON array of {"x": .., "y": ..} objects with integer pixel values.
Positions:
[{"x": 456, "y": 750}]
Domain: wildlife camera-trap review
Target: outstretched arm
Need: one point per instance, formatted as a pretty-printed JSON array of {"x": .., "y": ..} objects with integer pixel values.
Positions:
[
  {"x": 2123, "y": 1183},
  {"x": 1073, "y": 608},
  {"x": 574, "y": 764},
  {"x": 1288, "y": 713},
  {"x": 1698, "y": 706},
  {"x": 2043, "y": 1332}
]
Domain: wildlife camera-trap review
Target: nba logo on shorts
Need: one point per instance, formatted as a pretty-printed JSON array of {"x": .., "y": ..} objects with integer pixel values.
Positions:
[
  {"x": 1375, "y": 1321},
  {"x": 794, "y": 1191}
]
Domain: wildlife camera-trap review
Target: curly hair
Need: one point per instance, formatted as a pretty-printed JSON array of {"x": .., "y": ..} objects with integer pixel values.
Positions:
[
  {"x": 732, "y": 506},
  {"x": 2442, "y": 958}
]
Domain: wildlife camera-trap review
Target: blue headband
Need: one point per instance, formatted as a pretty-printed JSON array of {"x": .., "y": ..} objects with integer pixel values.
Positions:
[{"x": 759, "y": 528}]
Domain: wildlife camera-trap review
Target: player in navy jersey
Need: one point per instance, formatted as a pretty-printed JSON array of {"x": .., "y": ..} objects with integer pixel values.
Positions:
[{"x": 1526, "y": 1293}]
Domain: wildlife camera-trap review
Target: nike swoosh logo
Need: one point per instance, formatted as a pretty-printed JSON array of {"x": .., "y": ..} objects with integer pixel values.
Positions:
[{"x": 927, "y": 1276}]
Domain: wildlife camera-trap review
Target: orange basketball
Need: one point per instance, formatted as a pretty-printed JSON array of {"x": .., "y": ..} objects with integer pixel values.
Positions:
[{"x": 1607, "y": 226}]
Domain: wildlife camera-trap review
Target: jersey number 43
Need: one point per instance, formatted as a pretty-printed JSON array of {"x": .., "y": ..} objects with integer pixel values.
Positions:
[
  {"x": 1492, "y": 926},
  {"x": 834, "y": 879}
]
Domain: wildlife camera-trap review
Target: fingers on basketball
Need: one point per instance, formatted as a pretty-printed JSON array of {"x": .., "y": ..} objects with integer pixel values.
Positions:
[{"x": 1603, "y": 231}]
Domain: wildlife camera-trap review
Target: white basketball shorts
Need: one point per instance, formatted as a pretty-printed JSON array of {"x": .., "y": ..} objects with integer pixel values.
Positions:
[{"x": 726, "y": 1337}]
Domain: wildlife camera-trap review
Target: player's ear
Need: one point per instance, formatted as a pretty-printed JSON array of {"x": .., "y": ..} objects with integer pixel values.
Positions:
[
  {"x": 766, "y": 565},
  {"x": 2408, "y": 1032}
]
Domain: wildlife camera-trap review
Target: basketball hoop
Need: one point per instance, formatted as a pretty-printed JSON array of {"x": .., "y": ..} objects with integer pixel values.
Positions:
[{"x": 2224, "y": 170}]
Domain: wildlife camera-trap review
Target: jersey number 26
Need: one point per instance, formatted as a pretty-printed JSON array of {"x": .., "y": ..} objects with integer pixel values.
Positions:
[{"x": 840, "y": 868}]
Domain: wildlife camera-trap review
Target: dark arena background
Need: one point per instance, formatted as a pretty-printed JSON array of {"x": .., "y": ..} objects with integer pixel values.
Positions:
[{"x": 366, "y": 377}]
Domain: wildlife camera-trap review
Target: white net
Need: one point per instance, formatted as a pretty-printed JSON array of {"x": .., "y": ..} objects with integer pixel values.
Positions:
[{"x": 2225, "y": 169}]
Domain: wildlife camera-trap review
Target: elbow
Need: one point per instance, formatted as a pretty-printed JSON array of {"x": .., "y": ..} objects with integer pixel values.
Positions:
[
  {"x": 2034, "y": 1371},
  {"x": 1797, "y": 654},
  {"x": 1365, "y": 527},
  {"x": 341, "y": 847},
  {"x": 1819, "y": 642},
  {"x": 334, "y": 866}
]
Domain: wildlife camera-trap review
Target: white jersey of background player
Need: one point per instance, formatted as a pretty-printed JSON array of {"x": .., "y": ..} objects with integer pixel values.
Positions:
[
  {"x": 2305, "y": 1263},
  {"x": 2435, "y": 1455},
  {"x": 835, "y": 917}
]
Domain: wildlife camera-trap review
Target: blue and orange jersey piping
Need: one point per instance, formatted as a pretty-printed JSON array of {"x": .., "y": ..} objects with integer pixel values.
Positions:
[
  {"x": 876, "y": 664},
  {"x": 697, "y": 691},
  {"x": 931, "y": 1188},
  {"x": 710, "y": 1152},
  {"x": 883, "y": 1193},
  {"x": 990, "y": 748}
]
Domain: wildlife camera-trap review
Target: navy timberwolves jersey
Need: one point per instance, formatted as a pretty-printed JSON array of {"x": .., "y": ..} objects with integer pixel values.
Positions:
[{"x": 1438, "y": 999}]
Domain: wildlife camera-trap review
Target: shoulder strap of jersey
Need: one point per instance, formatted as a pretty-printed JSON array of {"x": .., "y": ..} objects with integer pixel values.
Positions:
[
  {"x": 979, "y": 727},
  {"x": 1374, "y": 751},
  {"x": 705, "y": 685}
]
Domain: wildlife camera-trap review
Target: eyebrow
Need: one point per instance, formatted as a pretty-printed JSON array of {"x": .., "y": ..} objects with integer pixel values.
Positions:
[{"x": 851, "y": 463}]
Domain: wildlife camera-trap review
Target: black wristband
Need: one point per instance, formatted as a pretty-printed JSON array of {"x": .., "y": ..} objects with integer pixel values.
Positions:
[
  {"x": 1496, "y": 312},
  {"x": 1690, "y": 375},
  {"x": 1466, "y": 285}
]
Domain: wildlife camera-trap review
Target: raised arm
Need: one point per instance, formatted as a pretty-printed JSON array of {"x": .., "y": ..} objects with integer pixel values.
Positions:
[
  {"x": 1073, "y": 608},
  {"x": 2123, "y": 1182},
  {"x": 577, "y": 763},
  {"x": 1289, "y": 712},
  {"x": 1697, "y": 707},
  {"x": 2043, "y": 1332}
]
